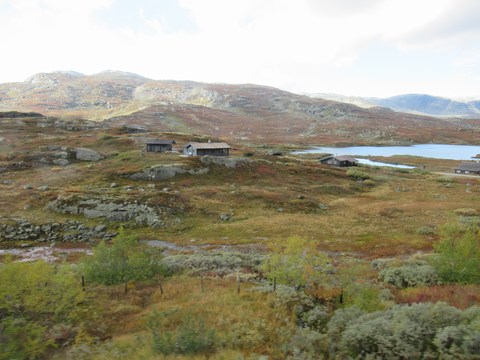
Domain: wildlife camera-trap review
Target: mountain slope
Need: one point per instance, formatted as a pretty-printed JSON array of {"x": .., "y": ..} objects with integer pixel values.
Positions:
[
  {"x": 243, "y": 112},
  {"x": 413, "y": 103}
]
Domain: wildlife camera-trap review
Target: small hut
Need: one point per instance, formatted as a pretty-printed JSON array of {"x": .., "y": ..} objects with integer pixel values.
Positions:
[
  {"x": 468, "y": 167},
  {"x": 341, "y": 161},
  {"x": 211, "y": 148},
  {"x": 157, "y": 145}
]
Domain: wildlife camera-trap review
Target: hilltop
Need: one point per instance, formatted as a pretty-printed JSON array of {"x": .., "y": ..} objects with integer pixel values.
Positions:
[
  {"x": 421, "y": 104},
  {"x": 243, "y": 112}
]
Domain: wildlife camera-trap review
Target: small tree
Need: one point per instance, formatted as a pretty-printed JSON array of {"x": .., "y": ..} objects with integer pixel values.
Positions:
[
  {"x": 458, "y": 255},
  {"x": 125, "y": 260},
  {"x": 294, "y": 263}
]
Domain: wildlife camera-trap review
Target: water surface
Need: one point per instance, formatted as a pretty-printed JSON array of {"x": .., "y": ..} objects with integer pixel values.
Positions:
[{"x": 434, "y": 151}]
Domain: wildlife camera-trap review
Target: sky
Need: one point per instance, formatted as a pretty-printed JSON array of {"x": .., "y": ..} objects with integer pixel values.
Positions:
[{"x": 350, "y": 47}]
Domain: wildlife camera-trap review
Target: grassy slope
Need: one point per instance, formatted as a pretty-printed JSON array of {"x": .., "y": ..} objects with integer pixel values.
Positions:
[{"x": 271, "y": 199}]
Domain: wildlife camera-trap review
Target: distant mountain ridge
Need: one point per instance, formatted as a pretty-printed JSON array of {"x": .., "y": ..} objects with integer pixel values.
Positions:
[
  {"x": 244, "y": 112},
  {"x": 422, "y": 104}
]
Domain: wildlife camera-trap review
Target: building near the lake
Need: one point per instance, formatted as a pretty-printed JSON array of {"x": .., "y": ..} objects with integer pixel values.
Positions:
[
  {"x": 158, "y": 145},
  {"x": 210, "y": 148},
  {"x": 468, "y": 167},
  {"x": 476, "y": 158},
  {"x": 341, "y": 161}
]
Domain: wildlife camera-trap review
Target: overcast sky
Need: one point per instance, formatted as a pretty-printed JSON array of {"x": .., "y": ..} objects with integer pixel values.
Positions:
[{"x": 350, "y": 47}]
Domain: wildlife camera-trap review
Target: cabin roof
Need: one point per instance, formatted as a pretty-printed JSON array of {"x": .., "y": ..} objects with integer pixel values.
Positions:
[
  {"x": 340, "y": 158},
  {"x": 468, "y": 166},
  {"x": 216, "y": 145}
]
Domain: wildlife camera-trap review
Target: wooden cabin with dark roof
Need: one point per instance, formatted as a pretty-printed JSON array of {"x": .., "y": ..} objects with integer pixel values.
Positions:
[
  {"x": 468, "y": 167},
  {"x": 341, "y": 161},
  {"x": 211, "y": 148},
  {"x": 157, "y": 145}
]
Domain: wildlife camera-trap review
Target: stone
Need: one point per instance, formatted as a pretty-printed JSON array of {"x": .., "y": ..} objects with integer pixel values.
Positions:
[
  {"x": 43, "y": 188},
  {"x": 28, "y": 187},
  {"x": 113, "y": 185},
  {"x": 60, "y": 154},
  {"x": 227, "y": 161},
  {"x": 60, "y": 162},
  {"x": 101, "y": 228},
  {"x": 87, "y": 154},
  {"x": 226, "y": 217}
]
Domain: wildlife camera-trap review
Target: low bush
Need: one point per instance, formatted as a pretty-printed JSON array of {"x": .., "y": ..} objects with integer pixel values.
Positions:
[
  {"x": 218, "y": 263},
  {"x": 457, "y": 257},
  {"x": 38, "y": 304},
  {"x": 466, "y": 212},
  {"x": 426, "y": 230},
  {"x": 410, "y": 275},
  {"x": 407, "y": 332},
  {"x": 125, "y": 260},
  {"x": 190, "y": 337},
  {"x": 358, "y": 174}
]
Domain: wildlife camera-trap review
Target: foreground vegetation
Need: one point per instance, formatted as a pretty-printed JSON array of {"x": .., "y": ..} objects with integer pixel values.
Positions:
[{"x": 279, "y": 257}]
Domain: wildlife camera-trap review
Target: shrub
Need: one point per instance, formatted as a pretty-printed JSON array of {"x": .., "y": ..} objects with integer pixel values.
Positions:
[
  {"x": 458, "y": 255},
  {"x": 407, "y": 332},
  {"x": 125, "y": 260},
  {"x": 466, "y": 212},
  {"x": 220, "y": 263},
  {"x": 295, "y": 263},
  {"x": 426, "y": 230},
  {"x": 34, "y": 297},
  {"x": 358, "y": 174},
  {"x": 306, "y": 344},
  {"x": 409, "y": 275},
  {"x": 190, "y": 337}
]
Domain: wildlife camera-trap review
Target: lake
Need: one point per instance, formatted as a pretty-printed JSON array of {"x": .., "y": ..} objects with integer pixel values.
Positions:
[{"x": 434, "y": 151}]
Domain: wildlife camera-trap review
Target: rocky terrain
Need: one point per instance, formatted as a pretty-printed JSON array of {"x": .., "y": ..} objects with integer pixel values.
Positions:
[
  {"x": 413, "y": 103},
  {"x": 248, "y": 113}
]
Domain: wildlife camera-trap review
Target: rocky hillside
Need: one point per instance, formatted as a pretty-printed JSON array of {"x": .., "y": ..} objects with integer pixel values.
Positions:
[
  {"x": 430, "y": 105},
  {"x": 239, "y": 112},
  {"x": 413, "y": 103}
]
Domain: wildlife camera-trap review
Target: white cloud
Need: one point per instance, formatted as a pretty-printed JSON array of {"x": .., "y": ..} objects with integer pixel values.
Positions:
[{"x": 301, "y": 45}]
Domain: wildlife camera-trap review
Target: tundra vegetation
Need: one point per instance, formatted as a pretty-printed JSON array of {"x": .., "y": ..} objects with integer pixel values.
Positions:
[{"x": 277, "y": 257}]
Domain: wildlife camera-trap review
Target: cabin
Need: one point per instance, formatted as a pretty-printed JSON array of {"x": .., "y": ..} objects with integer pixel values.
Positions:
[
  {"x": 210, "y": 148},
  {"x": 159, "y": 145},
  {"x": 468, "y": 167},
  {"x": 476, "y": 158},
  {"x": 341, "y": 161}
]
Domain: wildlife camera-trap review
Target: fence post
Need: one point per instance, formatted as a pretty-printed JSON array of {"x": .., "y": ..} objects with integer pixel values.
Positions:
[
  {"x": 274, "y": 284},
  {"x": 83, "y": 283},
  {"x": 238, "y": 283},
  {"x": 161, "y": 287},
  {"x": 126, "y": 287},
  {"x": 201, "y": 284}
]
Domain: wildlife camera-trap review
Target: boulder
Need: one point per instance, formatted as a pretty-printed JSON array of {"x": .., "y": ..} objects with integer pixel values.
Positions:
[
  {"x": 229, "y": 162},
  {"x": 87, "y": 154},
  {"x": 60, "y": 162}
]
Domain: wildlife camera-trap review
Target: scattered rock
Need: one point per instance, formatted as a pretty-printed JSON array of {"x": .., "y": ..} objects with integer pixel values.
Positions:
[
  {"x": 118, "y": 210},
  {"x": 226, "y": 217},
  {"x": 43, "y": 188},
  {"x": 275, "y": 152},
  {"x": 230, "y": 162},
  {"x": 101, "y": 228},
  {"x": 162, "y": 172},
  {"x": 113, "y": 185},
  {"x": 70, "y": 230},
  {"x": 60, "y": 162},
  {"x": 87, "y": 154}
]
